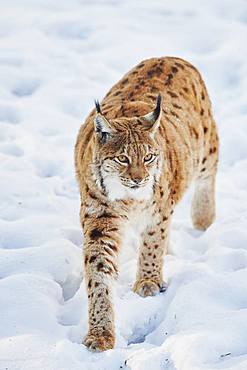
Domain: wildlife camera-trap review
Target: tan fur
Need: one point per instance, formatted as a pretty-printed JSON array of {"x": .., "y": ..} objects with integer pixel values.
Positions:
[{"x": 187, "y": 147}]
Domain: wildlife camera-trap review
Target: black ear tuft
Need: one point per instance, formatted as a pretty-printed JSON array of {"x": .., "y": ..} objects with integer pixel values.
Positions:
[
  {"x": 156, "y": 112},
  {"x": 97, "y": 106}
]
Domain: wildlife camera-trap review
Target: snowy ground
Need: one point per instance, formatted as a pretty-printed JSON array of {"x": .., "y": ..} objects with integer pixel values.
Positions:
[{"x": 55, "y": 58}]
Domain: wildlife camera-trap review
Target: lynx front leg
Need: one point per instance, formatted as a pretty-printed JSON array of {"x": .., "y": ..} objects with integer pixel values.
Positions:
[
  {"x": 100, "y": 259},
  {"x": 149, "y": 280}
]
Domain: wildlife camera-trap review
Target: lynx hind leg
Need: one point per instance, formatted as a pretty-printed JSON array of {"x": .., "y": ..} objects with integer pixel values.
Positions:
[{"x": 203, "y": 203}]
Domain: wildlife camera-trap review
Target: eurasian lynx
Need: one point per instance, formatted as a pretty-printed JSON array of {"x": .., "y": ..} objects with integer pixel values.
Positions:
[{"x": 135, "y": 156}]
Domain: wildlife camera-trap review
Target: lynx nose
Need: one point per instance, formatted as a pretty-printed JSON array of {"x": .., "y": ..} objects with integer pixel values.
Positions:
[{"x": 137, "y": 180}]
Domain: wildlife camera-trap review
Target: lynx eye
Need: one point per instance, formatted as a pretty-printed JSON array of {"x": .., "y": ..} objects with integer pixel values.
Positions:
[
  {"x": 122, "y": 159},
  {"x": 149, "y": 157}
]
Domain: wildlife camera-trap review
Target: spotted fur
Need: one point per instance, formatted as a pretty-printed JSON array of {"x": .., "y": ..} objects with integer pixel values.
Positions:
[{"x": 178, "y": 133}]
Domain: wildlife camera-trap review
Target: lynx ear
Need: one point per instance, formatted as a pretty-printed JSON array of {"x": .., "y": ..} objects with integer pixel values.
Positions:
[
  {"x": 152, "y": 120},
  {"x": 102, "y": 126}
]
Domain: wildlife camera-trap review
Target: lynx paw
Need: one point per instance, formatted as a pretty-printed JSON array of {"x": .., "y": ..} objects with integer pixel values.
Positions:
[
  {"x": 149, "y": 287},
  {"x": 99, "y": 342},
  {"x": 203, "y": 223}
]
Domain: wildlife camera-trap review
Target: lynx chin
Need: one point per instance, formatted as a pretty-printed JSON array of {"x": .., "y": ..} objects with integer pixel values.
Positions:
[{"x": 136, "y": 154}]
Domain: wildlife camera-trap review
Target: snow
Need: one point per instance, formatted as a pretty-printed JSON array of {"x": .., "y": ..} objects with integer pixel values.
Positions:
[{"x": 56, "y": 58}]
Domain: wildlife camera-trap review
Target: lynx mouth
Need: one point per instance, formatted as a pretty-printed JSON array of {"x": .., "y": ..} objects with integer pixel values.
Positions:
[{"x": 136, "y": 186}]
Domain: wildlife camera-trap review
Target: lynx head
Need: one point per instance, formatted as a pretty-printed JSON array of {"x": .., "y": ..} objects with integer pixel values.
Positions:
[{"x": 127, "y": 158}]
